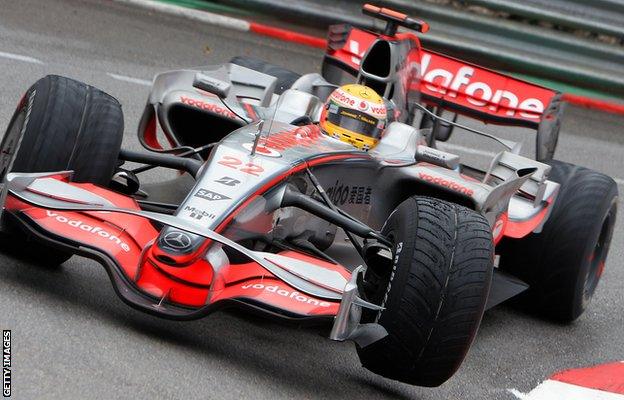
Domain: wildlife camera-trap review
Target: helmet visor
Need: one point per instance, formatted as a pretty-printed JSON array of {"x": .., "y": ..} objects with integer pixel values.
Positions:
[{"x": 355, "y": 121}]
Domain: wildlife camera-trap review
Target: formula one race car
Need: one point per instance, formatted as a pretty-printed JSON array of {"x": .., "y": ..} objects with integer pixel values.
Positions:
[{"x": 392, "y": 248}]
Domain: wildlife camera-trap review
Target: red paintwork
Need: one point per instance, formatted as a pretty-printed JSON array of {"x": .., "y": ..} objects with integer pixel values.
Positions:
[
  {"x": 239, "y": 280},
  {"x": 301, "y": 38},
  {"x": 129, "y": 240},
  {"x": 498, "y": 231},
  {"x": 605, "y": 377},
  {"x": 149, "y": 135},
  {"x": 153, "y": 281},
  {"x": 276, "y": 293},
  {"x": 519, "y": 229},
  {"x": 587, "y": 102},
  {"x": 97, "y": 229}
]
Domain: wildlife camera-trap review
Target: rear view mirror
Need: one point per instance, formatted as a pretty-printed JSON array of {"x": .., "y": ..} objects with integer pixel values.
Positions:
[{"x": 212, "y": 85}]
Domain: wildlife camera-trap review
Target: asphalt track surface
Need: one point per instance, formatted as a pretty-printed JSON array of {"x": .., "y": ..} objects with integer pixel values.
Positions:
[{"x": 73, "y": 338}]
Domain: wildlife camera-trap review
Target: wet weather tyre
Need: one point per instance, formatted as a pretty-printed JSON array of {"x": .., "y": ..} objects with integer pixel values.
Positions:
[
  {"x": 435, "y": 293},
  {"x": 285, "y": 77},
  {"x": 564, "y": 263},
  {"x": 61, "y": 124}
]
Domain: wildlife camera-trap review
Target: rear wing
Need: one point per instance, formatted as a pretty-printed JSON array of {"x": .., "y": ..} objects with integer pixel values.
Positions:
[
  {"x": 445, "y": 82},
  {"x": 448, "y": 82},
  {"x": 482, "y": 93}
]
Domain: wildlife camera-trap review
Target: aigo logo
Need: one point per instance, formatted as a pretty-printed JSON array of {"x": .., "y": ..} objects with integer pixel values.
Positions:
[{"x": 95, "y": 230}]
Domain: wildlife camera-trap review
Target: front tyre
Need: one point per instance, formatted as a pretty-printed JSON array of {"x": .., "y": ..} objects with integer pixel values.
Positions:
[
  {"x": 60, "y": 124},
  {"x": 434, "y": 295}
]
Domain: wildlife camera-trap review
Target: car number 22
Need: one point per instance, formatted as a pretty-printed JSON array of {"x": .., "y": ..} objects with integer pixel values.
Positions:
[{"x": 235, "y": 163}]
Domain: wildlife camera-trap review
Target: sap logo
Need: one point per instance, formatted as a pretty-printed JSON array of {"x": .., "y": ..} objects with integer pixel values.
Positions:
[
  {"x": 94, "y": 230},
  {"x": 210, "y": 195}
]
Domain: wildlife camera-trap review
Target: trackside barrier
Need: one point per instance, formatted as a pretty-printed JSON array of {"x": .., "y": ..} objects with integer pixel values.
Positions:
[
  {"x": 597, "y": 16},
  {"x": 498, "y": 43}
]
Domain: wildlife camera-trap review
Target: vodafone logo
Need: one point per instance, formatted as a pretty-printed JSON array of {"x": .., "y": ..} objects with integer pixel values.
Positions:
[
  {"x": 379, "y": 111},
  {"x": 344, "y": 98},
  {"x": 207, "y": 106},
  {"x": 285, "y": 293},
  {"x": 446, "y": 183},
  {"x": 94, "y": 230},
  {"x": 479, "y": 94}
]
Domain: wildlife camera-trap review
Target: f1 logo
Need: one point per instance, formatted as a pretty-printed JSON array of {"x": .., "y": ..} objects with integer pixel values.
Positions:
[{"x": 227, "y": 181}]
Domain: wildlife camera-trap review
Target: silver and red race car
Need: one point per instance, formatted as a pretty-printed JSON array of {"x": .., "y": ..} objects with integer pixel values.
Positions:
[{"x": 399, "y": 249}]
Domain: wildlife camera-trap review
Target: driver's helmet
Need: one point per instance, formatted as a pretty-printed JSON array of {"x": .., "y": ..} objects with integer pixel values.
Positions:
[{"x": 355, "y": 114}]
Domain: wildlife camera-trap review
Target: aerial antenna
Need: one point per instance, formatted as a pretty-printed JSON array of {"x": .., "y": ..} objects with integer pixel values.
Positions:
[{"x": 259, "y": 126}]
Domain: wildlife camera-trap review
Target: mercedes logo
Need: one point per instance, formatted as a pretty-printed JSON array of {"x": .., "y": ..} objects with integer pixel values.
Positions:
[{"x": 177, "y": 240}]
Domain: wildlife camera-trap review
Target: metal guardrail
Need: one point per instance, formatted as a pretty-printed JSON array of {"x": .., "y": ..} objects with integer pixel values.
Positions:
[
  {"x": 497, "y": 43},
  {"x": 597, "y": 16}
]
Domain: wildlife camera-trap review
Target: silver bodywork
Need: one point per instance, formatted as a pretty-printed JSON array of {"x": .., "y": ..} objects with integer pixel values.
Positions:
[
  {"x": 241, "y": 184},
  {"x": 365, "y": 186}
]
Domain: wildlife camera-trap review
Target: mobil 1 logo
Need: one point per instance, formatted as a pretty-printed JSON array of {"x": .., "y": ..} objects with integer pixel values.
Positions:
[{"x": 198, "y": 214}]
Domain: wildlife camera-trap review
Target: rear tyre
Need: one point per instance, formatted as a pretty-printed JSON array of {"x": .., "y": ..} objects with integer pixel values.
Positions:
[
  {"x": 435, "y": 293},
  {"x": 285, "y": 77},
  {"x": 60, "y": 124},
  {"x": 564, "y": 263}
]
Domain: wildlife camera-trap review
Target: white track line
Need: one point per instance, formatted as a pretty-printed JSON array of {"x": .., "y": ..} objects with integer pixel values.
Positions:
[
  {"x": 19, "y": 57},
  {"x": 554, "y": 390},
  {"x": 130, "y": 79},
  {"x": 201, "y": 16}
]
